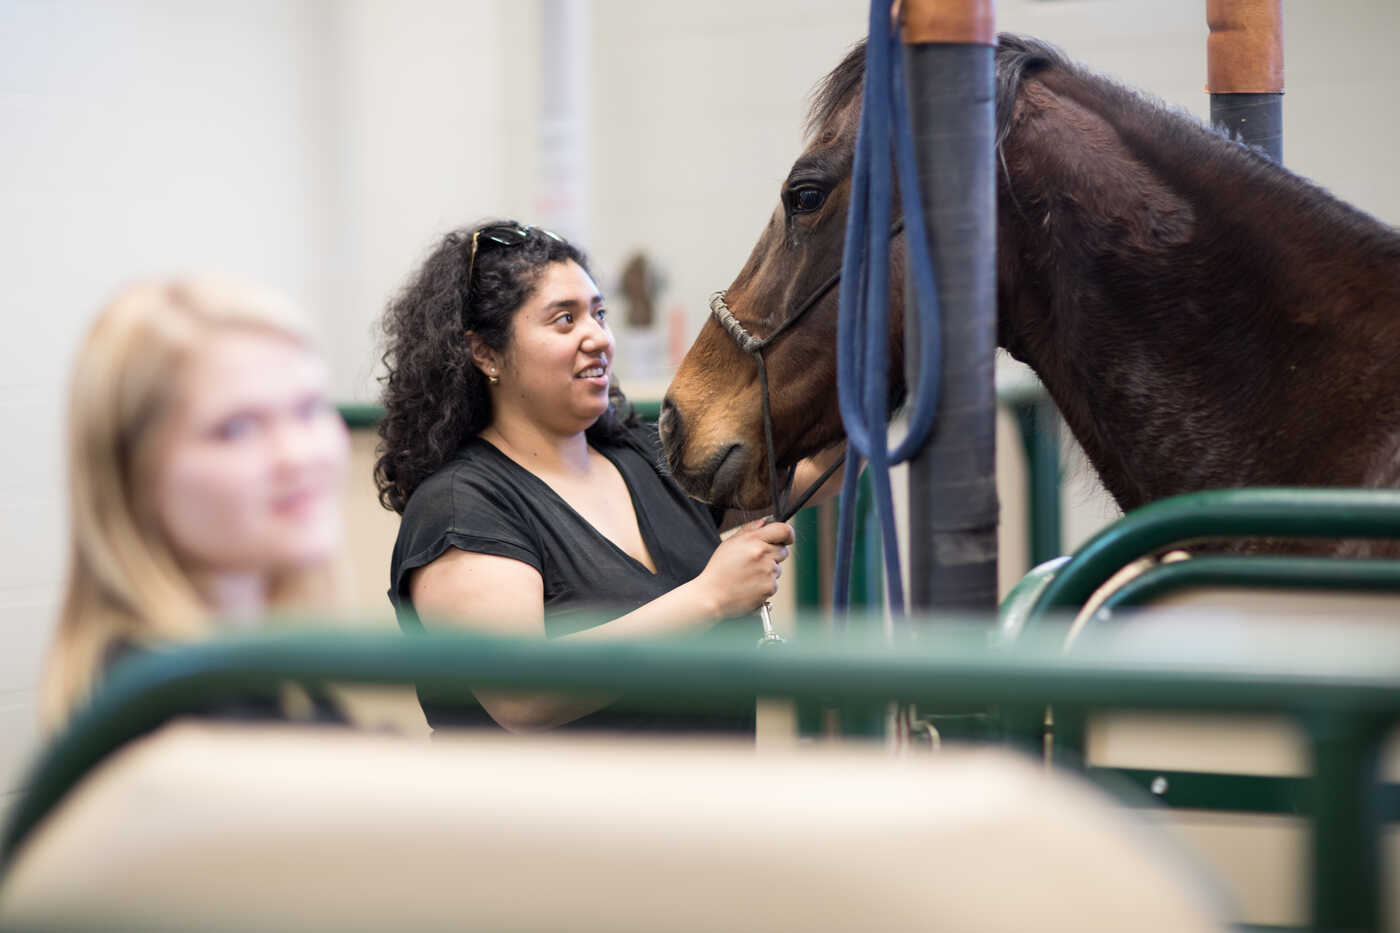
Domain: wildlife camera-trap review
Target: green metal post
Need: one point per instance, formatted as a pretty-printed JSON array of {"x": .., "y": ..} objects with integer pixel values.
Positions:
[
  {"x": 866, "y": 590},
  {"x": 866, "y": 599},
  {"x": 1039, "y": 424},
  {"x": 1070, "y": 726},
  {"x": 1346, "y": 812},
  {"x": 807, "y": 561}
]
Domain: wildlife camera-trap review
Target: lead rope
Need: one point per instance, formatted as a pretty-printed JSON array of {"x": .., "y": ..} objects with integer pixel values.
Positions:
[
  {"x": 753, "y": 346},
  {"x": 862, "y": 351},
  {"x": 765, "y": 612},
  {"x": 862, "y": 342},
  {"x": 780, "y": 514}
]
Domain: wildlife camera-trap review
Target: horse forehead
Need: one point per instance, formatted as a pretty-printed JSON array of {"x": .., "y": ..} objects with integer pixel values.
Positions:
[{"x": 762, "y": 292}]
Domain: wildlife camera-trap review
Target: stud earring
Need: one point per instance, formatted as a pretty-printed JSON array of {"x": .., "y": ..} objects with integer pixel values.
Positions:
[{"x": 492, "y": 378}]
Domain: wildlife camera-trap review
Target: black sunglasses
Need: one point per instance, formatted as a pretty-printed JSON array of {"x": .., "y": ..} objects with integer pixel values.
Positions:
[{"x": 500, "y": 236}]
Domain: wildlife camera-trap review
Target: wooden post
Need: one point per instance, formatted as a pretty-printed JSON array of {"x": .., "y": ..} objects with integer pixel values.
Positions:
[{"x": 1244, "y": 71}]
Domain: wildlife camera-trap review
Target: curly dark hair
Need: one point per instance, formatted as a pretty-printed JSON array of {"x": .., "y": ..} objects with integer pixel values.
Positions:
[{"x": 435, "y": 398}]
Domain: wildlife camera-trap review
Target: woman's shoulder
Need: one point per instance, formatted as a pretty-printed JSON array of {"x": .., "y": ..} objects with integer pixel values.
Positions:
[
  {"x": 475, "y": 465},
  {"x": 476, "y": 492}
]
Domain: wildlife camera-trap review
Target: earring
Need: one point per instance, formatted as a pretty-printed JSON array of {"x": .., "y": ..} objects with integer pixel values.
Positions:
[{"x": 492, "y": 378}]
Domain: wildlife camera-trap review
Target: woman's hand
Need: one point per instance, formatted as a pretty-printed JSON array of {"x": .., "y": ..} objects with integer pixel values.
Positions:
[{"x": 744, "y": 569}]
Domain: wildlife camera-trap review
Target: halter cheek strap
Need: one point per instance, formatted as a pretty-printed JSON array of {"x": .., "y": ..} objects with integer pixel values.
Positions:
[{"x": 753, "y": 346}]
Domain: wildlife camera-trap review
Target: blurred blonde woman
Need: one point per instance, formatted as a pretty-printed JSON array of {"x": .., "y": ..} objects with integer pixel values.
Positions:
[{"x": 204, "y": 467}]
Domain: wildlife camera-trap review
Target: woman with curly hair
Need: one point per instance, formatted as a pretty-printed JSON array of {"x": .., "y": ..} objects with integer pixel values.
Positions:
[{"x": 532, "y": 499}]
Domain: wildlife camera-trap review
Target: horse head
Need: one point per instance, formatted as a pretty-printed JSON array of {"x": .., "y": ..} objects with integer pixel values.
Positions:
[
  {"x": 1201, "y": 317},
  {"x": 711, "y": 422}
]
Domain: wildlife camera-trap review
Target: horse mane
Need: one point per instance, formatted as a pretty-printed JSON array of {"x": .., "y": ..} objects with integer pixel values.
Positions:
[
  {"x": 1216, "y": 293},
  {"x": 1021, "y": 57},
  {"x": 839, "y": 86},
  {"x": 1017, "y": 57}
]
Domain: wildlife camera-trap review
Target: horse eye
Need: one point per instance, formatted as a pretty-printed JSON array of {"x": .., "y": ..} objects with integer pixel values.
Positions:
[{"x": 807, "y": 199}]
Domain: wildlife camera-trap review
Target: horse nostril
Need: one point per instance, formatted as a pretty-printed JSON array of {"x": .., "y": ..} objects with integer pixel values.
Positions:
[{"x": 670, "y": 425}]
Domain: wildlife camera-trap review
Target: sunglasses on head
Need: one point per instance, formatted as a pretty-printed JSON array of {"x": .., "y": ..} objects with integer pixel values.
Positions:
[{"x": 499, "y": 236}]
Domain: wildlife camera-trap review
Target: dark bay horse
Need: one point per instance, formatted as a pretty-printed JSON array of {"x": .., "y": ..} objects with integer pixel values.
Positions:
[{"x": 1202, "y": 317}]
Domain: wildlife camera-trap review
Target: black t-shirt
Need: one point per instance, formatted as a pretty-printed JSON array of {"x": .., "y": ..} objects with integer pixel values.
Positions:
[{"x": 484, "y": 502}]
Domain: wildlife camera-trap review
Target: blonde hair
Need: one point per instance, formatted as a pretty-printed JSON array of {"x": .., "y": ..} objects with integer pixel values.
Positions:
[{"x": 125, "y": 583}]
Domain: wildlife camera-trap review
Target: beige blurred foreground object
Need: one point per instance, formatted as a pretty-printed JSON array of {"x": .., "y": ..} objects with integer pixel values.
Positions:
[{"x": 228, "y": 827}]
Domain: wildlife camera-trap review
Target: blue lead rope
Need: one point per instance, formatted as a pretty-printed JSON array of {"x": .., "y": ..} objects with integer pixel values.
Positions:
[{"x": 884, "y": 139}]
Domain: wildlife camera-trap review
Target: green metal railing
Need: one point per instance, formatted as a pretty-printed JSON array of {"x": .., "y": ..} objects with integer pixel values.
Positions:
[
  {"x": 1343, "y": 745},
  {"x": 1017, "y": 605},
  {"x": 1061, "y": 587},
  {"x": 1255, "y": 572},
  {"x": 1342, "y": 705},
  {"x": 1263, "y": 512},
  {"x": 361, "y": 416}
]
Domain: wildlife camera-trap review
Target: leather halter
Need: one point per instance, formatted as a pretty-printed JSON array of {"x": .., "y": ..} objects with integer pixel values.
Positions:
[{"x": 754, "y": 347}]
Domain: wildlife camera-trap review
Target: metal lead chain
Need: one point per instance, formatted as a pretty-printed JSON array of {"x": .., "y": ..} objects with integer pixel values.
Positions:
[{"x": 770, "y": 634}]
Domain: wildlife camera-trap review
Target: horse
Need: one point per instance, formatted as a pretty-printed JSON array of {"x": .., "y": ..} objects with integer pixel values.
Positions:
[{"x": 1202, "y": 317}]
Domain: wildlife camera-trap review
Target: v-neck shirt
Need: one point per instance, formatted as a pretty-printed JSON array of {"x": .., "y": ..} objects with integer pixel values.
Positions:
[{"x": 484, "y": 502}]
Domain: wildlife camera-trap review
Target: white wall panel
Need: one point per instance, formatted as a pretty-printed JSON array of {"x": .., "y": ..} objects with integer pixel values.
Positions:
[{"x": 136, "y": 140}]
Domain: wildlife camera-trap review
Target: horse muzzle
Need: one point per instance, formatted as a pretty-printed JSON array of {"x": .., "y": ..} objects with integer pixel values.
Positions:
[{"x": 720, "y": 472}]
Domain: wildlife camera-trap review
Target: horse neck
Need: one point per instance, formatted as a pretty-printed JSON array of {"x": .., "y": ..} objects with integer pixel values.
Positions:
[{"x": 1202, "y": 317}]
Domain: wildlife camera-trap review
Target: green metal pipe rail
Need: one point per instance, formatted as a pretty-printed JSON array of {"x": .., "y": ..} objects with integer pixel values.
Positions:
[
  {"x": 1344, "y": 709},
  {"x": 1262, "y": 512},
  {"x": 1058, "y": 588},
  {"x": 1255, "y": 572},
  {"x": 1346, "y": 816}
]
